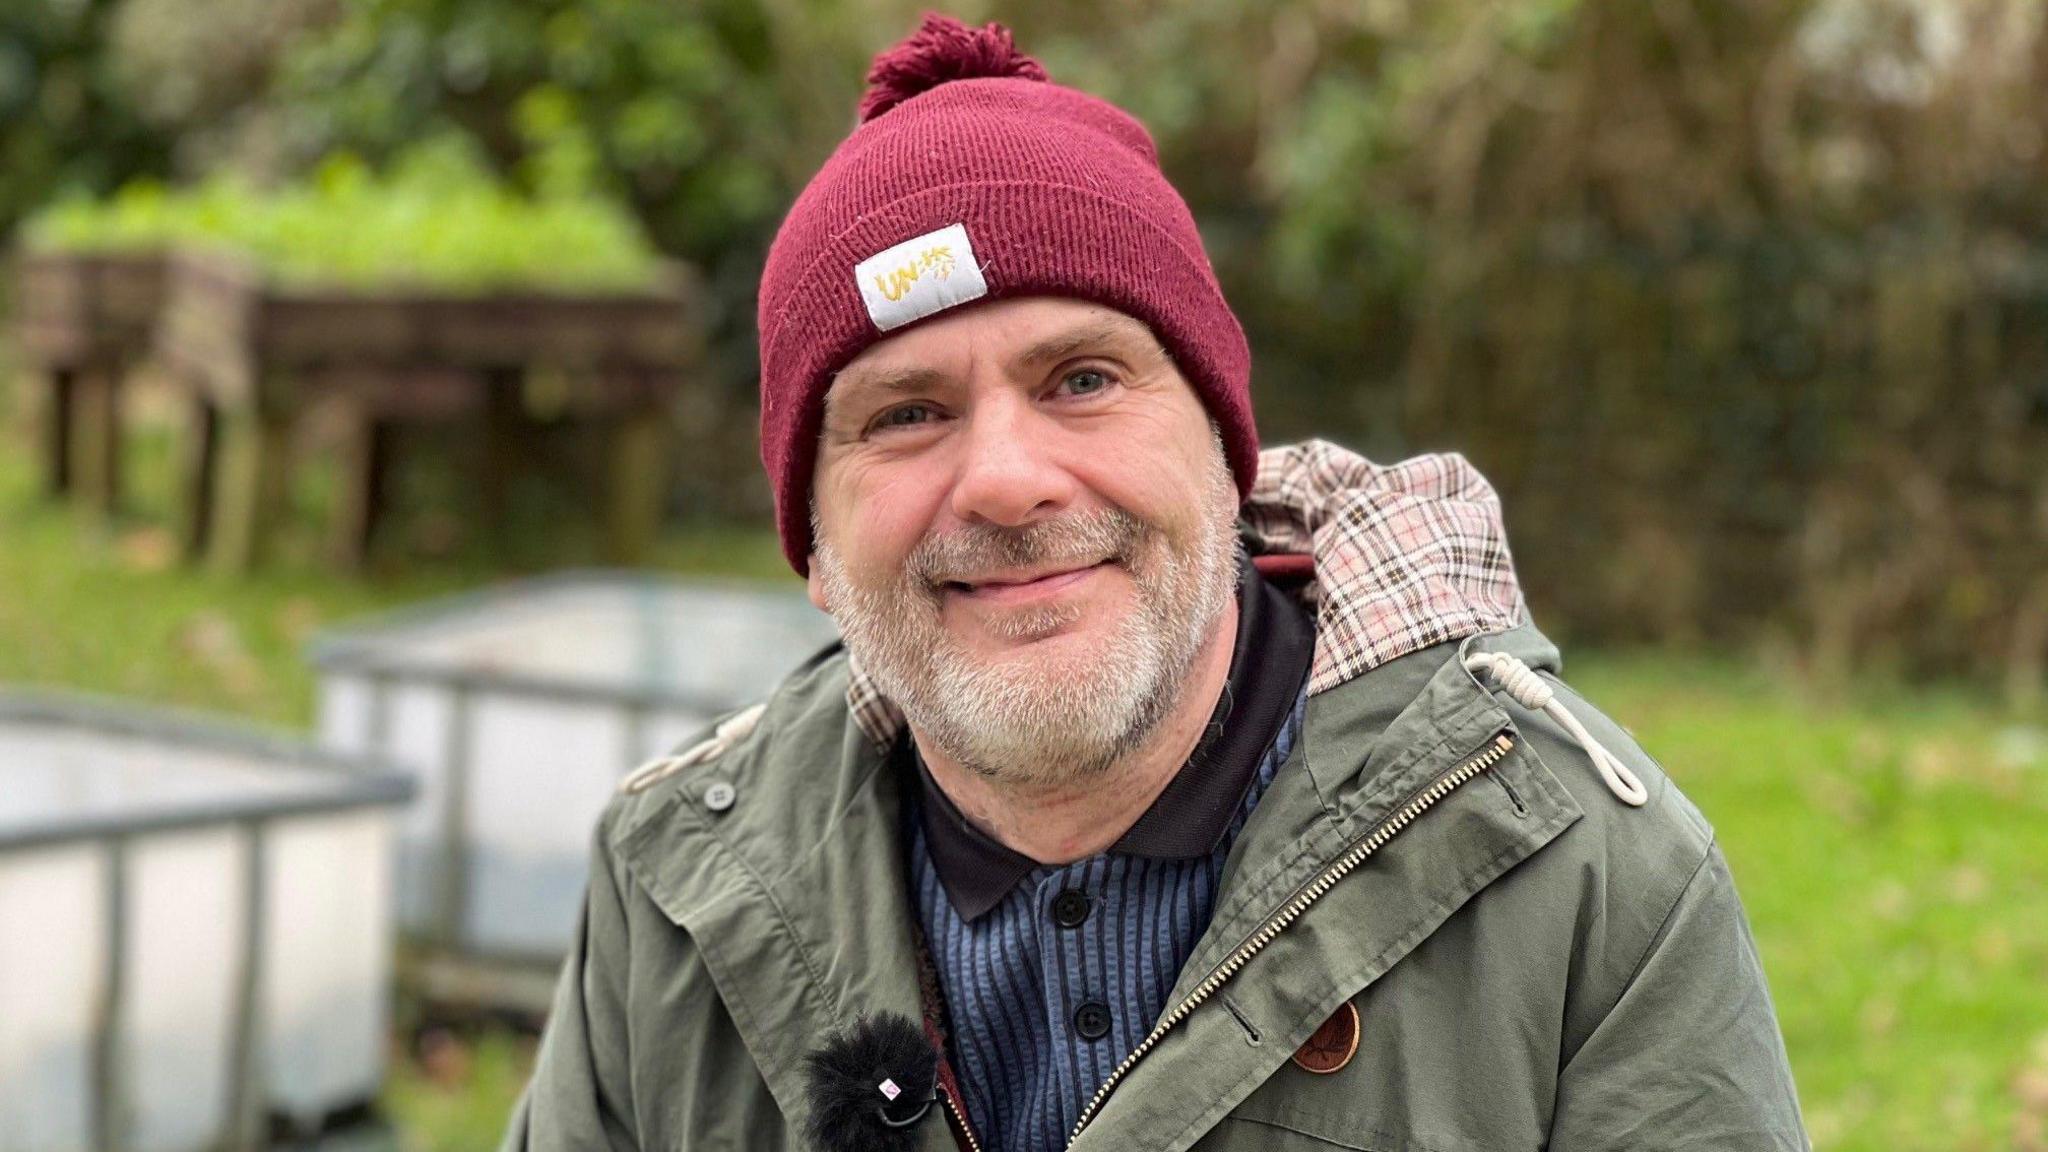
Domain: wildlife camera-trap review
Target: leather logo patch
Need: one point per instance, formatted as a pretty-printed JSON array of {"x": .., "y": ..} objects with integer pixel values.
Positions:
[{"x": 1332, "y": 1045}]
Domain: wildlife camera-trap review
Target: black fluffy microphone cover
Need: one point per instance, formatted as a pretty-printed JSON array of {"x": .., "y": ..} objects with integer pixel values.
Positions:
[{"x": 851, "y": 1109}]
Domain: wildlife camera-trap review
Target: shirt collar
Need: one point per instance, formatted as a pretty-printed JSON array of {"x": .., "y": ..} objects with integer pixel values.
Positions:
[{"x": 1268, "y": 664}]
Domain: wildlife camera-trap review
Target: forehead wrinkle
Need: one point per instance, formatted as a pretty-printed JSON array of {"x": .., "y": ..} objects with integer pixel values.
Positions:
[{"x": 1094, "y": 333}]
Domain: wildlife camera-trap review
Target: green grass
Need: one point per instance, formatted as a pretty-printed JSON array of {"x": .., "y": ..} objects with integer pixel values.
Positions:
[
  {"x": 454, "y": 1092},
  {"x": 107, "y": 607},
  {"x": 1891, "y": 843},
  {"x": 1892, "y": 850}
]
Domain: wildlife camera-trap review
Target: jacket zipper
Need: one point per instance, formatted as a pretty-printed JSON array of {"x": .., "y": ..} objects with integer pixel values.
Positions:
[
  {"x": 960, "y": 1119},
  {"x": 1313, "y": 891}
]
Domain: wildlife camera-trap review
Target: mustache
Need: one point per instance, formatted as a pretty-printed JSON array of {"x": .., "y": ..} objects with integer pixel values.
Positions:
[{"x": 1077, "y": 538}]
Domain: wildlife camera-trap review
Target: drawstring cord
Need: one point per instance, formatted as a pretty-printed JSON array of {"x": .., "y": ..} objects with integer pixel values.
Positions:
[
  {"x": 1529, "y": 690},
  {"x": 729, "y": 731}
]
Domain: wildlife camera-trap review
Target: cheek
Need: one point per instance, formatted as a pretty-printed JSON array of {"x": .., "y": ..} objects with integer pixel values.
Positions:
[
  {"x": 1152, "y": 472},
  {"x": 880, "y": 513}
]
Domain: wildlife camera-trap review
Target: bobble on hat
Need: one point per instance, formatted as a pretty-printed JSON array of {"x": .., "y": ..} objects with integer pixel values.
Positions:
[{"x": 942, "y": 49}]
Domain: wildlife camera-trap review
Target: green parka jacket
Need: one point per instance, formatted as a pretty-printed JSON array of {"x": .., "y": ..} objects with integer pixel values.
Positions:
[{"x": 1534, "y": 964}]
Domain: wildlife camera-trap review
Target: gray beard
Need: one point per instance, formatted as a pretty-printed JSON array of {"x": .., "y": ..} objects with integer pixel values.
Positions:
[{"x": 1024, "y": 720}]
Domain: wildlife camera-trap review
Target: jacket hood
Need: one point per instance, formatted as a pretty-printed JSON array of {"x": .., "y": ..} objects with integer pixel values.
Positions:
[{"x": 1404, "y": 557}]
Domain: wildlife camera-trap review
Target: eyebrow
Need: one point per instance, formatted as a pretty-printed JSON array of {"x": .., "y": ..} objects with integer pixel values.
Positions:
[
  {"x": 884, "y": 383},
  {"x": 1064, "y": 344}
]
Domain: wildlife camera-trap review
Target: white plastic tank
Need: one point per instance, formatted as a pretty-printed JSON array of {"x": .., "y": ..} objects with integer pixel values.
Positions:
[
  {"x": 519, "y": 708},
  {"x": 195, "y": 929}
]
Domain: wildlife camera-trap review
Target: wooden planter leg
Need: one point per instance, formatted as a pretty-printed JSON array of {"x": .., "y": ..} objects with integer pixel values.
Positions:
[
  {"x": 365, "y": 458},
  {"x": 251, "y": 488},
  {"x": 198, "y": 465},
  {"x": 58, "y": 420},
  {"x": 638, "y": 483},
  {"x": 96, "y": 444},
  {"x": 503, "y": 433}
]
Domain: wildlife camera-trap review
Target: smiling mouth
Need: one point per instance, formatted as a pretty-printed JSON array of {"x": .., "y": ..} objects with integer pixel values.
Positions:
[{"x": 1008, "y": 587}]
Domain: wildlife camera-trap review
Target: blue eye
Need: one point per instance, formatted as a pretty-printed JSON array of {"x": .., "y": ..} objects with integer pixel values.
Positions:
[
  {"x": 1086, "y": 382},
  {"x": 904, "y": 417}
]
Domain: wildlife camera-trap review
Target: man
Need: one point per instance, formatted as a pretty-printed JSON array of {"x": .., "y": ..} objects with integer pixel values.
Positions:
[{"x": 1185, "y": 797}]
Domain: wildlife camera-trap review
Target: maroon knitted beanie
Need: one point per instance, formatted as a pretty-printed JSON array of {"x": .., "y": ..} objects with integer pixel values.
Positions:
[{"x": 972, "y": 177}]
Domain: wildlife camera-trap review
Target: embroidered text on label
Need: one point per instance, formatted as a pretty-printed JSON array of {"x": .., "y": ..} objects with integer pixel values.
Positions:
[{"x": 920, "y": 276}]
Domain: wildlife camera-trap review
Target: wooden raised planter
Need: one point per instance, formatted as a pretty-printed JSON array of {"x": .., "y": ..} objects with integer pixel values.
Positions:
[
  {"x": 255, "y": 355},
  {"x": 82, "y": 322}
]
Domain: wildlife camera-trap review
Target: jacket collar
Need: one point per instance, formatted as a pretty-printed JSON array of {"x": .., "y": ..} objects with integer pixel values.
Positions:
[
  {"x": 1268, "y": 666},
  {"x": 1368, "y": 749}
]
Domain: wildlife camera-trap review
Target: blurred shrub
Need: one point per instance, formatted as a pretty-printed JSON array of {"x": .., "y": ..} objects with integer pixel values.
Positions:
[
  {"x": 1743, "y": 305},
  {"x": 66, "y": 120},
  {"x": 192, "y": 69},
  {"x": 438, "y": 220},
  {"x": 704, "y": 117}
]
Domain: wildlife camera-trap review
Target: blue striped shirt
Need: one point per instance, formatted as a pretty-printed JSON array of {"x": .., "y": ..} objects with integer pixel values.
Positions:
[{"x": 1051, "y": 988}]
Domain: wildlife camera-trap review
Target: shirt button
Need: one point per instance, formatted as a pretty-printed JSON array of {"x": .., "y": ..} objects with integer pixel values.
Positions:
[
  {"x": 1091, "y": 1020},
  {"x": 719, "y": 796},
  {"x": 1069, "y": 908}
]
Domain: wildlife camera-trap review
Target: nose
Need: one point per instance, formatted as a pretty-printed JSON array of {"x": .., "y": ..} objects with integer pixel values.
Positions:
[{"x": 1009, "y": 472}]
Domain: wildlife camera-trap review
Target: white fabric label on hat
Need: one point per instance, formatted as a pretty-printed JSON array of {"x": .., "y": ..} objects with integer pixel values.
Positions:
[{"x": 922, "y": 275}]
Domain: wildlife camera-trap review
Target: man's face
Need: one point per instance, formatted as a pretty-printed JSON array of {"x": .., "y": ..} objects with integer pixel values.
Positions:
[{"x": 1025, "y": 526}]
